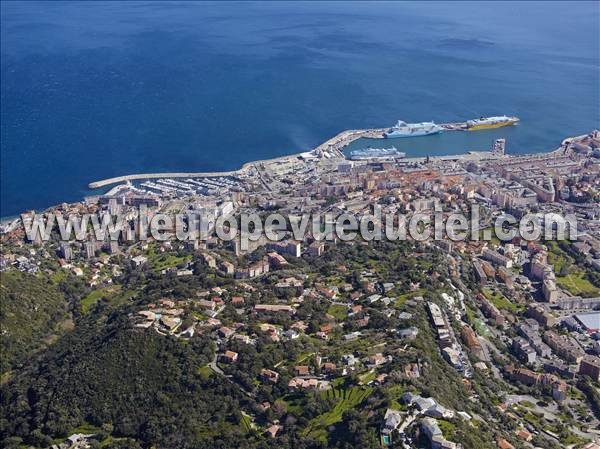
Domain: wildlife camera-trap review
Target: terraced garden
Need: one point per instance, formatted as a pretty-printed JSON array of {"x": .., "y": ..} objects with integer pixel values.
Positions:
[{"x": 347, "y": 398}]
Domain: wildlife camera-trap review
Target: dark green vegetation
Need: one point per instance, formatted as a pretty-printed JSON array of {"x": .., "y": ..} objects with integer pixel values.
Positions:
[
  {"x": 33, "y": 310},
  {"x": 135, "y": 388},
  {"x": 104, "y": 373},
  {"x": 592, "y": 395},
  {"x": 571, "y": 272}
]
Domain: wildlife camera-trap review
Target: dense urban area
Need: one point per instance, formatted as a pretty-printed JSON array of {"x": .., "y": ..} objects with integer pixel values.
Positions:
[{"x": 310, "y": 343}]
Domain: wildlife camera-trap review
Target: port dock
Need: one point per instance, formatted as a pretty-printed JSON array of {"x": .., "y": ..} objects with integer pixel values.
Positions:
[
  {"x": 331, "y": 148},
  {"x": 125, "y": 178},
  {"x": 333, "y": 145}
]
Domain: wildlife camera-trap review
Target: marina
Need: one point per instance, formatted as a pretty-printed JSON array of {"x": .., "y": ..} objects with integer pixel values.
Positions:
[
  {"x": 346, "y": 142},
  {"x": 376, "y": 153},
  {"x": 200, "y": 186}
]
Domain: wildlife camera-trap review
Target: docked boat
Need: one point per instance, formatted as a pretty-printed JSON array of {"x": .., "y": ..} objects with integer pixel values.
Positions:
[
  {"x": 403, "y": 129},
  {"x": 491, "y": 122},
  {"x": 376, "y": 153}
]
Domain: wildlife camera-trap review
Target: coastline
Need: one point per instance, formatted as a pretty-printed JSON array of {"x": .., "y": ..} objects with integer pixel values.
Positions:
[{"x": 333, "y": 145}]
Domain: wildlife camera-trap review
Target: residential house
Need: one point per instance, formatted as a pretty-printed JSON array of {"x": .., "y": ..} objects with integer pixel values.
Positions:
[
  {"x": 229, "y": 357},
  {"x": 269, "y": 376}
]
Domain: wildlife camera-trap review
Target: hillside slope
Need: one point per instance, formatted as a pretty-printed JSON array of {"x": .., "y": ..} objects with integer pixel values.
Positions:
[{"x": 32, "y": 309}]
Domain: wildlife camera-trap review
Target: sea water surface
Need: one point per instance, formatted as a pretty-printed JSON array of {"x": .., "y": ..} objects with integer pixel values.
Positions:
[{"x": 91, "y": 90}]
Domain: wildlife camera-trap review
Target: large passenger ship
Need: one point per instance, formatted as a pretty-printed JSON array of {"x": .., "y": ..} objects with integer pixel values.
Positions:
[
  {"x": 376, "y": 153},
  {"x": 403, "y": 129},
  {"x": 491, "y": 122}
]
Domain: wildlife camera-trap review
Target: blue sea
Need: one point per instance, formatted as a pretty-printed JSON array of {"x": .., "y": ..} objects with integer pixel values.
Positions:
[{"x": 91, "y": 90}]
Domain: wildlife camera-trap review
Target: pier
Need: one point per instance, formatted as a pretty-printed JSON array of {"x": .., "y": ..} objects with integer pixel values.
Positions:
[
  {"x": 331, "y": 147},
  {"x": 125, "y": 178},
  {"x": 345, "y": 138},
  {"x": 336, "y": 143}
]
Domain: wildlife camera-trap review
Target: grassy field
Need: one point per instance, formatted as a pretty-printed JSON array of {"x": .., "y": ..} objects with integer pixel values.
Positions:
[
  {"x": 160, "y": 261},
  {"x": 204, "y": 371},
  {"x": 167, "y": 261},
  {"x": 447, "y": 428},
  {"x": 577, "y": 284},
  {"x": 352, "y": 346},
  {"x": 96, "y": 295},
  {"x": 113, "y": 293},
  {"x": 558, "y": 259},
  {"x": 86, "y": 428},
  {"x": 347, "y": 398},
  {"x": 302, "y": 357},
  {"x": 575, "y": 281},
  {"x": 477, "y": 324},
  {"x": 481, "y": 328},
  {"x": 246, "y": 423},
  {"x": 338, "y": 311},
  {"x": 500, "y": 301},
  {"x": 367, "y": 377},
  {"x": 401, "y": 299},
  {"x": 294, "y": 403},
  {"x": 394, "y": 394},
  {"x": 58, "y": 276}
]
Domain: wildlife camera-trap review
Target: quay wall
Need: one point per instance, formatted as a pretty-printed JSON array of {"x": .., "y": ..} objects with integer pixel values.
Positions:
[
  {"x": 335, "y": 144},
  {"x": 118, "y": 179}
]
